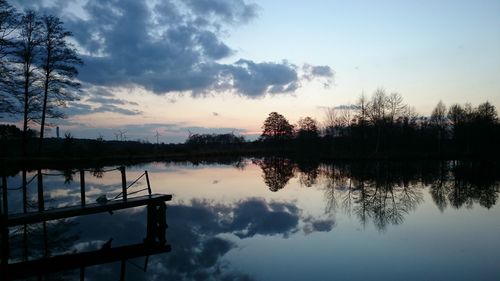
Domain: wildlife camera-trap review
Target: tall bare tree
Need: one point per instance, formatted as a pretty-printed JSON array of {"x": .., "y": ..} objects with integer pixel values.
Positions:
[
  {"x": 377, "y": 112},
  {"x": 439, "y": 120},
  {"x": 362, "y": 115},
  {"x": 59, "y": 61},
  {"x": 26, "y": 85},
  {"x": 8, "y": 25},
  {"x": 330, "y": 121},
  {"x": 395, "y": 106}
]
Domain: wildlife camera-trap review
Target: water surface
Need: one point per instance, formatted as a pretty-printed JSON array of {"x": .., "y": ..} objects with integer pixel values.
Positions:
[{"x": 274, "y": 219}]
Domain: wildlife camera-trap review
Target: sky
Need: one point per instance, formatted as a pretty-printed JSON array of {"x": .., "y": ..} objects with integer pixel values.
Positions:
[{"x": 217, "y": 66}]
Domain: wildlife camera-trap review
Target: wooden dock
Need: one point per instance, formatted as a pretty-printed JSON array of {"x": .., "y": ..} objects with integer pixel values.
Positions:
[
  {"x": 79, "y": 210},
  {"x": 153, "y": 243}
]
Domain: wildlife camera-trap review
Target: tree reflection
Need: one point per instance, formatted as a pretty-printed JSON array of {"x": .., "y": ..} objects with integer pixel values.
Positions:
[
  {"x": 308, "y": 173},
  {"x": 371, "y": 193},
  {"x": 276, "y": 172},
  {"x": 461, "y": 184},
  {"x": 385, "y": 192}
]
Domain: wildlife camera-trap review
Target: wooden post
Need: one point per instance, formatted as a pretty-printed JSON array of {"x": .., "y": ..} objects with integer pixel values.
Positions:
[
  {"x": 147, "y": 181},
  {"x": 122, "y": 270},
  {"x": 25, "y": 192},
  {"x": 82, "y": 273},
  {"x": 146, "y": 261},
  {"x": 124, "y": 183},
  {"x": 5, "y": 246},
  {"x": 1, "y": 201},
  {"x": 3, "y": 224},
  {"x": 82, "y": 187},
  {"x": 41, "y": 205},
  {"x": 151, "y": 223},
  {"x": 162, "y": 223},
  {"x": 5, "y": 202}
]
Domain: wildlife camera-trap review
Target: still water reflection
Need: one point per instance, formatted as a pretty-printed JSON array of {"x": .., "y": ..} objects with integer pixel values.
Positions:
[{"x": 275, "y": 219}]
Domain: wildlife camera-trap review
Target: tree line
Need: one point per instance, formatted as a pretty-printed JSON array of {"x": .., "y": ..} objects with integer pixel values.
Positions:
[
  {"x": 383, "y": 124},
  {"x": 38, "y": 69}
]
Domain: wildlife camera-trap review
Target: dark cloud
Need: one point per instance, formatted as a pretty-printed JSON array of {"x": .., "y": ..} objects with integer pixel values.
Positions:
[
  {"x": 323, "y": 72},
  {"x": 107, "y": 100},
  {"x": 171, "y": 46},
  {"x": 100, "y": 99},
  {"x": 340, "y": 107},
  {"x": 115, "y": 109},
  {"x": 234, "y": 11},
  {"x": 257, "y": 79},
  {"x": 347, "y": 106}
]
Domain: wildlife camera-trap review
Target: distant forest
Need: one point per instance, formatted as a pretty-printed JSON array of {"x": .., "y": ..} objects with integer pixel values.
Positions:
[{"x": 378, "y": 127}]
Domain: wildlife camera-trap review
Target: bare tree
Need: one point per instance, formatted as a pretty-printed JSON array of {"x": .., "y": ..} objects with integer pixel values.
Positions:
[
  {"x": 438, "y": 116},
  {"x": 330, "y": 121},
  {"x": 307, "y": 128},
  {"x": 439, "y": 120},
  {"x": 26, "y": 86},
  {"x": 376, "y": 112},
  {"x": 456, "y": 114},
  {"x": 8, "y": 25},
  {"x": 409, "y": 115},
  {"x": 395, "y": 106},
  {"x": 59, "y": 61},
  {"x": 376, "y": 108},
  {"x": 362, "y": 105}
]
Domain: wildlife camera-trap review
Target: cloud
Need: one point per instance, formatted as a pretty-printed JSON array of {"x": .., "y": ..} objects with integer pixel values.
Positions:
[
  {"x": 171, "y": 46},
  {"x": 235, "y": 11},
  {"x": 257, "y": 79},
  {"x": 323, "y": 72},
  {"x": 100, "y": 99},
  {"x": 347, "y": 106}
]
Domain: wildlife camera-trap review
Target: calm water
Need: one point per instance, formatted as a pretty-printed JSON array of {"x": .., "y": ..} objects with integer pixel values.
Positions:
[{"x": 272, "y": 219}]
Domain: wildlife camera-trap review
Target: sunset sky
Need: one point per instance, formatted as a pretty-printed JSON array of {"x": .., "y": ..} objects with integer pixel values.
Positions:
[{"x": 215, "y": 66}]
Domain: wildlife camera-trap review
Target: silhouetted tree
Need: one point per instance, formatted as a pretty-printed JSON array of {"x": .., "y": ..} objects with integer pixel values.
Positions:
[
  {"x": 456, "y": 114},
  {"x": 486, "y": 113},
  {"x": 396, "y": 106},
  {"x": 439, "y": 121},
  {"x": 307, "y": 128},
  {"x": 25, "y": 56},
  {"x": 376, "y": 112},
  {"x": 438, "y": 116},
  {"x": 329, "y": 122},
  {"x": 59, "y": 61},
  {"x": 276, "y": 128},
  {"x": 8, "y": 24}
]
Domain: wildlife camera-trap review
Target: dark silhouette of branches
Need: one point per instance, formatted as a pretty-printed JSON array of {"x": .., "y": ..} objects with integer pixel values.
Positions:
[{"x": 59, "y": 61}]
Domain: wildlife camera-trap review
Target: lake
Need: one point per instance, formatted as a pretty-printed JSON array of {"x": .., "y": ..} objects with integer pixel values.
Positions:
[{"x": 275, "y": 219}]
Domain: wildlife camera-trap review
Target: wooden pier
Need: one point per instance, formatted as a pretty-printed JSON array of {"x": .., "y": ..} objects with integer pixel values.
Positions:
[
  {"x": 94, "y": 208},
  {"x": 153, "y": 243}
]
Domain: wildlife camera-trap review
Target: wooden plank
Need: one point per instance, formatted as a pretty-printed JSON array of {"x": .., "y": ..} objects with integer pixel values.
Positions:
[
  {"x": 73, "y": 261},
  {"x": 72, "y": 211}
]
